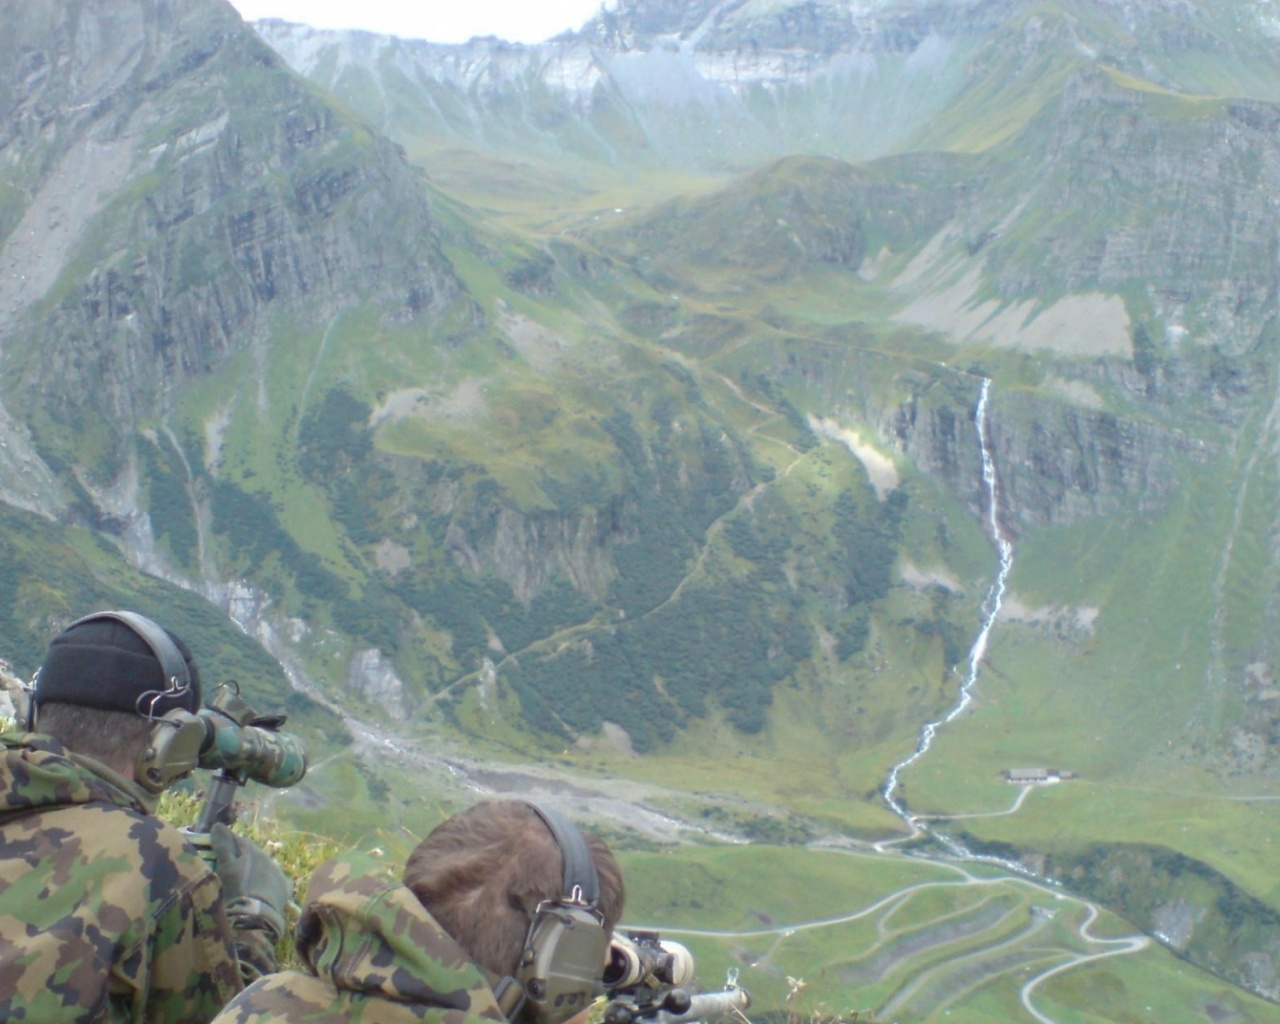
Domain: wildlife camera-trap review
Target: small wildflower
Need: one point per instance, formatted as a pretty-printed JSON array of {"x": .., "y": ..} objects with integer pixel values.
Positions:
[{"x": 595, "y": 1012}]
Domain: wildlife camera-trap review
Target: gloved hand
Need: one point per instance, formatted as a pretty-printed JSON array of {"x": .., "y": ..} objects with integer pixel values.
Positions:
[{"x": 253, "y": 886}]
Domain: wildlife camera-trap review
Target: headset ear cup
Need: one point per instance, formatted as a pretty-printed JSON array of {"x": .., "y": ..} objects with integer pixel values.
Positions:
[
  {"x": 172, "y": 751},
  {"x": 562, "y": 969}
]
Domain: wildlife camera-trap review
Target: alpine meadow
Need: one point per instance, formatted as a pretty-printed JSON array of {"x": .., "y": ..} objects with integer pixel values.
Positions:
[{"x": 830, "y": 447}]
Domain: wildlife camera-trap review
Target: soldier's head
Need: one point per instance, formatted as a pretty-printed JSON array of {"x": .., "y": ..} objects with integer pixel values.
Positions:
[
  {"x": 483, "y": 874},
  {"x": 105, "y": 681}
]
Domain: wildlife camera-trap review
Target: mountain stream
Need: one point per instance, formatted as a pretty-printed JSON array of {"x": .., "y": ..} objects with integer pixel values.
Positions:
[{"x": 977, "y": 652}]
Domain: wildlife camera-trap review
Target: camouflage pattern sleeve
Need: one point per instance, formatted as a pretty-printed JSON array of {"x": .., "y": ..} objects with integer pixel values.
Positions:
[
  {"x": 304, "y": 999},
  {"x": 106, "y": 915},
  {"x": 373, "y": 955},
  {"x": 298, "y": 998},
  {"x": 193, "y": 969},
  {"x": 255, "y": 951}
]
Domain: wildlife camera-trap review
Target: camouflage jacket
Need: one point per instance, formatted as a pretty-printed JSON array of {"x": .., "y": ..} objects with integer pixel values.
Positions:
[
  {"x": 374, "y": 956},
  {"x": 106, "y": 914}
]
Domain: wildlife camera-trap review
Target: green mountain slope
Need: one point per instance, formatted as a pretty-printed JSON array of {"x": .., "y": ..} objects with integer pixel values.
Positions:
[
  {"x": 628, "y": 477},
  {"x": 442, "y": 463}
]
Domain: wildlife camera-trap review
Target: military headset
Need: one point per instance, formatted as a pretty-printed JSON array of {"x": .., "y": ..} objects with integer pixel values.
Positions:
[
  {"x": 174, "y": 741},
  {"x": 561, "y": 968}
]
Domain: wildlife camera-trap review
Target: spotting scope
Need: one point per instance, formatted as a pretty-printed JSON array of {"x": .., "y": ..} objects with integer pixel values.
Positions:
[{"x": 240, "y": 746}]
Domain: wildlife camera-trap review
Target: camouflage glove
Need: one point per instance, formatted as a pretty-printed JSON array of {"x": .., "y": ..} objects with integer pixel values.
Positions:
[{"x": 254, "y": 889}]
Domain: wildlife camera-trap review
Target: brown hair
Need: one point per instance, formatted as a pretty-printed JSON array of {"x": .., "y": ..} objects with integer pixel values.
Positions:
[
  {"x": 116, "y": 738},
  {"x": 482, "y": 873}
]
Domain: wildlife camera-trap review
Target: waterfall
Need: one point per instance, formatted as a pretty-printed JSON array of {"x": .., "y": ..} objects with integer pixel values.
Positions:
[{"x": 990, "y": 609}]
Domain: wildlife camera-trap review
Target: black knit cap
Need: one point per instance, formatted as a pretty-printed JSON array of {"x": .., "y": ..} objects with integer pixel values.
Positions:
[{"x": 103, "y": 661}]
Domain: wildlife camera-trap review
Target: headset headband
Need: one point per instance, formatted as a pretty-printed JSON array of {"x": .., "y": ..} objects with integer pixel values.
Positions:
[
  {"x": 581, "y": 883},
  {"x": 177, "y": 677}
]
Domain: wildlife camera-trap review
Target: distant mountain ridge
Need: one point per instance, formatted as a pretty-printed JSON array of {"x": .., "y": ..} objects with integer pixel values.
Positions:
[{"x": 722, "y": 85}]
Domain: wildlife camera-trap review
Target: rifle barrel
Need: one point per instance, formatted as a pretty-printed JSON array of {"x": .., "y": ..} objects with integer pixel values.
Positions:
[{"x": 707, "y": 1006}]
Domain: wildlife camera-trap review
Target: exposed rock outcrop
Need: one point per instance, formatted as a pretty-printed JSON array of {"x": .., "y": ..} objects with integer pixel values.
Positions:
[
  {"x": 1058, "y": 463},
  {"x": 217, "y": 213}
]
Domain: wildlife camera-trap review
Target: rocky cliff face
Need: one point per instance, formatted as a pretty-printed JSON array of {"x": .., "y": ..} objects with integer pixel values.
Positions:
[
  {"x": 175, "y": 189},
  {"x": 1058, "y": 462},
  {"x": 1172, "y": 205}
]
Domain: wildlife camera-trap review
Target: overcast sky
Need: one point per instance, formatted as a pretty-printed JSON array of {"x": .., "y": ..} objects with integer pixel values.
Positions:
[{"x": 440, "y": 21}]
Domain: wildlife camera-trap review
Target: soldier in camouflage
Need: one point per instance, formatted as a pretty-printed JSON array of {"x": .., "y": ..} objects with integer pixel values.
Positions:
[
  {"x": 106, "y": 913},
  {"x": 380, "y": 951}
]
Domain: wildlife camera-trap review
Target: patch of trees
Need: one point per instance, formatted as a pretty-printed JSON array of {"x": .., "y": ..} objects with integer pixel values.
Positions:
[
  {"x": 852, "y": 634},
  {"x": 1145, "y": 353},
  {"x": 534, "y": 274},
  {"x": 728, "y": 644},
  {"x": 1227, "y": 927},
  {"x": 720, "y": 644},
  {"x": 354, "y": 512},
  {"x": 169, "y": 501},
  {"x": 443, "y": 598},
  {"x": 468, "y": 608},
  {"x": 692, "y": 392},
  {"x": 763, "y": 538},
  {"x": 771, "y": 392},
  {"x": 675, "y": 487},
  {"x": 334, "y": 436},
  {"x": 253, "y": 533},
  {"x": 866, "y": 544},
  {"x": 941, "y": 625}
]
